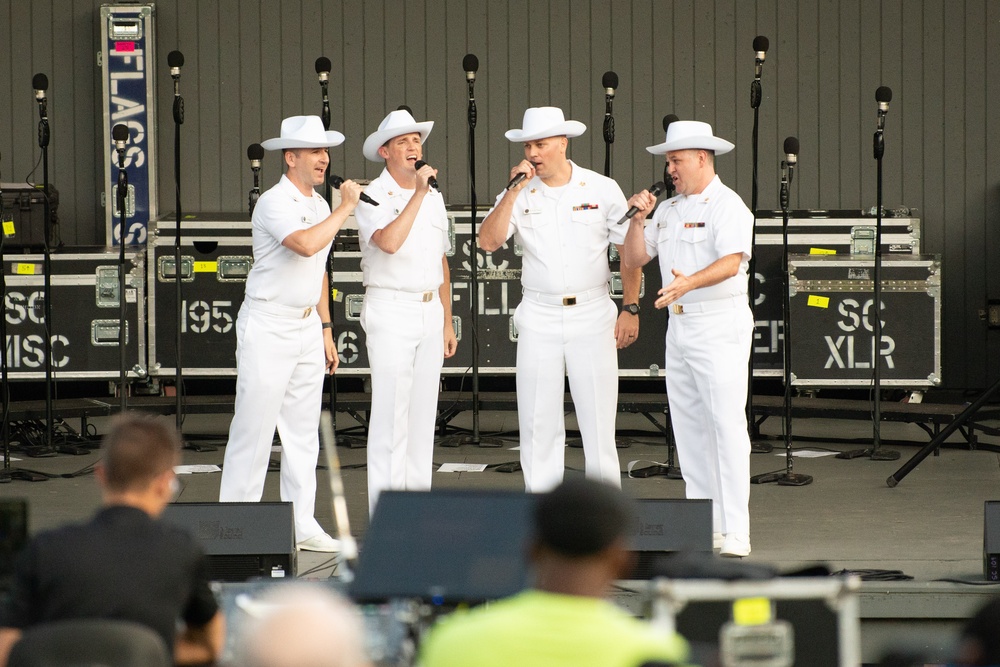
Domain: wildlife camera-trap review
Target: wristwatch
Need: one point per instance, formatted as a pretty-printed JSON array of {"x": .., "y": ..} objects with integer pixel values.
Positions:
[
  {"x": 327, "y": 325},
  {"x": 631, "y": 308}
]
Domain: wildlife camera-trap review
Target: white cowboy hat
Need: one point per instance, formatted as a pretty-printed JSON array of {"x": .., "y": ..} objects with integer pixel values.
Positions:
[
  {"x": 397, "y": 123},
  {"x": 542, "y": 122},
  {"x": 684, "y": 134},
  {"x": 303, "y": 132}
]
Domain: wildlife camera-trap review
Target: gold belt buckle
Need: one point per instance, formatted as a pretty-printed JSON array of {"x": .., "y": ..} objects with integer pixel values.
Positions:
[
  {"x": 428, "y": 296},
  {"x": 677, "y": 308},
  {"x": 569, "y": 300},
  {"x": 307, "y": 312}
]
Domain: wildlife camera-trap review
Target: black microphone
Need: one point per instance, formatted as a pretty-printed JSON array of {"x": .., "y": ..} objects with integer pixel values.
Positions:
[
  {"x": 40, "y": 83},
  {"x": 323, "y": 67},
  {"x": 655, "y": 189},
  {"x": 120, "y": 135},
  {"x": 432, "y": 181},
  {"x": 255, "y": 153},
  {"x": 403, "y": 107},
  {"x": 337, "y": 181},
  {"x": 760, "y": 45},
  {"x": 516, "y": 180},
  {"x": 175, "y": 59},
  {"x": 610, "y": 82},
  {"x": 883, "y": 95},
  {"x": 791, "y": 155},
  {"x": 470, "y": 63}
]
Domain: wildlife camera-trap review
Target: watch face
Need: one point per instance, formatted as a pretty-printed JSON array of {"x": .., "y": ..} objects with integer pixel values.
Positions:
[{"x": 632, "y": 308}]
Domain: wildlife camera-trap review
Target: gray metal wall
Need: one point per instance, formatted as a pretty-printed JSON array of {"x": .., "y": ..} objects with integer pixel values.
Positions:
[{"x": 249, "y": 63}]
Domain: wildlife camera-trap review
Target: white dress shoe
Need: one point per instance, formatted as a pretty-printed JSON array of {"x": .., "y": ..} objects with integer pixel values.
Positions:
[
  {"x": 735, "y": 546},
  {"x": 321, "y": 542},
  {"x": 718, "y": 539}
]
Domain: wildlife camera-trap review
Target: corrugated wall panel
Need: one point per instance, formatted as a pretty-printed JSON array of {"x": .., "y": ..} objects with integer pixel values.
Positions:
[{"x": 250, "y": 63}]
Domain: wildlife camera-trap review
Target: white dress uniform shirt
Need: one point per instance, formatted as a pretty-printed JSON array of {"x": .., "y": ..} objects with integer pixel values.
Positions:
[
  {"x": 416, "y": 266},
  {"x": 565, "y": 231},
  {"x": 280, "y": 275},
  {"x": 692, "y": 231}
]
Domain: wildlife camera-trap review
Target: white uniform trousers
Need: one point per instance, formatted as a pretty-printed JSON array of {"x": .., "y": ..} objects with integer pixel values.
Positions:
[
  {"x": 554, "y": 341},
  {"x": 707, "y": 354},
  {"x": 405, "y": 340},
  {"x": 280, "y": 363}
]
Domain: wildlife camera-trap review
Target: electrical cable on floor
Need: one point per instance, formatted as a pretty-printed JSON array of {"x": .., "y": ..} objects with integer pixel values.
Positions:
[{"x": 875, "y": 575}]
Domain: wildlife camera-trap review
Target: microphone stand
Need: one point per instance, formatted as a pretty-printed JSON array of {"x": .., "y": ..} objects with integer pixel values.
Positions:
[
  {"x": 178, "y": 282},
  {"x": 43, "y": 143},
  {"x": 8, "y": 474},
  {"x": 328, "y": 193},
  {"x": 122, "y": 199},
  {"x": 609, "y": 133},
  {"x": 476, "y": 437},
  {"x": 875, "y": 452},
  {"x": 756, "y": 447},
  {"x": 786, "y": 477}
]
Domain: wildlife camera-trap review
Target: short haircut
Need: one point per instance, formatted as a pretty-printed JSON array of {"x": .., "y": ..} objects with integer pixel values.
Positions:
[
  {"x": 137, "y": 449},
  {"x": 581, "y": 517}
]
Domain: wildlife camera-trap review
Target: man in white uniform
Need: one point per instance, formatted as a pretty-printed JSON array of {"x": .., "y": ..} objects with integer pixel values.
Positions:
[
  {"x": 703, "y": 237},
  {"x": 284, "y": 339},
  {"x": 565, "y": 217},
  {"x": 407, "y": 309}
]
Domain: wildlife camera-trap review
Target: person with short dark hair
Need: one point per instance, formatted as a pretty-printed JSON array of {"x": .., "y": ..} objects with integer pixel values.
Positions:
[
  {"x": 579, "y": 549},
  {"x": 124, "y": 564}
]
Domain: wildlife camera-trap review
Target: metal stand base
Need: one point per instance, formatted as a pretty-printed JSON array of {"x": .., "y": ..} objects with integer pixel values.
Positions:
[
  {"x": 658, "y": 470},
  {"x": 782, "y": 478},
  {"x": 13, "y": 474},
  {"x": 875, "y": 454}
]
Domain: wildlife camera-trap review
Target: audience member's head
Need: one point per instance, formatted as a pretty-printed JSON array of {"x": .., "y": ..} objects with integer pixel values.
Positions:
[
  {"x": 137, "y": 467},
  {"x": 980, "y": 640},
  {"x": 301, "y": 625},
  {"x": 580, "y": 536}
]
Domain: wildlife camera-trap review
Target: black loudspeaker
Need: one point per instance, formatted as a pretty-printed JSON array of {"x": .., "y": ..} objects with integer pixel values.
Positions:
[
  {"x": 991, "y": 540},
  {"x": 241, "y": 540},
  {"x": 664, "y": 526},
  {"x": 446, "y": 546}
]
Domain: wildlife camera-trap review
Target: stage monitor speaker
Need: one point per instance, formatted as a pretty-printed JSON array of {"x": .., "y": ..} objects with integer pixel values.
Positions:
[
  {"x": 668, "y": 525},
  {"x": 445, "y": 546},
  {"x": 991, "y": 540},
  {"x": 241, "y": 540}
]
